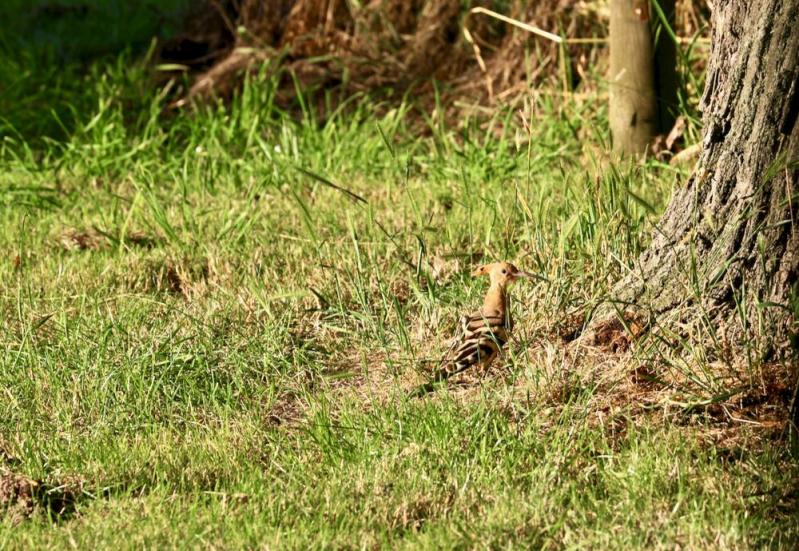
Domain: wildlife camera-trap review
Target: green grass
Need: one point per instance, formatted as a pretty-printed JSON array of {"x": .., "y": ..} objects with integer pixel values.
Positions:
[
  {"x": 46, "y": 45},
  {"x": 225, "y": 360}
]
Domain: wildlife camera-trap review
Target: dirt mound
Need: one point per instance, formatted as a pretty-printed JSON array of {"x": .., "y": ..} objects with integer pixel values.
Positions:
[{"x": 21, "y": 496}]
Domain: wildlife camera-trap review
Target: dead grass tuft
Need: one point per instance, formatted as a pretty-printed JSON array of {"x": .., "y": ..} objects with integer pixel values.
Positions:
[
  {"x": 186, "y": 278},
  {"x": 141, "y": 239},
  {"x": 285, "y": 412},
  {"x": 397, "y": 46},
  {"x": 81, "y": 240},
  {"x": 94, "y": 239},
  {"x": 378, "y": 45}
]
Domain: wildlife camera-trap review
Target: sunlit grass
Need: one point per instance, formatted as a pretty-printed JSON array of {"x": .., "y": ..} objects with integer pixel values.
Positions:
[{"x": 215, "y": 343}]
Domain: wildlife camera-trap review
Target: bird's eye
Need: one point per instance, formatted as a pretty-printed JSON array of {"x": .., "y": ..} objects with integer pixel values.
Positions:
[{"x": 504, "y": 271}]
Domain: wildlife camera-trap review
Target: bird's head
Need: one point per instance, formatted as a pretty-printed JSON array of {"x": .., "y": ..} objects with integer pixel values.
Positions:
[{"x": 503, "y": 273}]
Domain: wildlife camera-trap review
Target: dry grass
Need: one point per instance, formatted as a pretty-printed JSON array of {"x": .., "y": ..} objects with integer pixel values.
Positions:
[{"x": 345, "y": 48}]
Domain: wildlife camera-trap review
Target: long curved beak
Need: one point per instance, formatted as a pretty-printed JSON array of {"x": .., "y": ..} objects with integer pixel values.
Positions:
[{"x": 529, "y": 275}]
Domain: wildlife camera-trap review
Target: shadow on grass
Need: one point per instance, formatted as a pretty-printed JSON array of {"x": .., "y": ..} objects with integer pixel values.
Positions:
[{"x": 51, "y": 53}]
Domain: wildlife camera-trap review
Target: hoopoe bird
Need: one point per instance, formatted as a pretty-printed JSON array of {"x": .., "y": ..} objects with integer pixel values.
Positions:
[{"x": 484, "y": 332}]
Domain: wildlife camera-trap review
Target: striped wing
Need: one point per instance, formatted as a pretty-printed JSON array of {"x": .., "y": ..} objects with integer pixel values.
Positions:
[{"x": 482, "y": 337}]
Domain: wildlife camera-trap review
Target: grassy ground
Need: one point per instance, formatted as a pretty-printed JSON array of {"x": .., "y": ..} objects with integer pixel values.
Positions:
[{"x": 205, "y": 344}]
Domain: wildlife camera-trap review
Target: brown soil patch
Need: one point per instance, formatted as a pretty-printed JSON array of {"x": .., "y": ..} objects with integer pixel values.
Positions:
[
  {"x": 570, "y": 327},
  {"x": 616, "y": 335},
  {"x": 21, "y": 496},
  {"x": 17, "y": 496}
]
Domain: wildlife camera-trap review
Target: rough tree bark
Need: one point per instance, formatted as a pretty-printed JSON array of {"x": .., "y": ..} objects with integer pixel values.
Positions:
[{"x": 731, "y": 233}]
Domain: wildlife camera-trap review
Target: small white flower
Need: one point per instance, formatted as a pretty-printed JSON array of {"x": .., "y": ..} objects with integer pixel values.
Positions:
[
  {"x": 199, "y": 149},
  {"x": 278, "y": 149}
]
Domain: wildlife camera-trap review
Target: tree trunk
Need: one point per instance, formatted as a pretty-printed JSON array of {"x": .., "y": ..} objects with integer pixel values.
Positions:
[
  {"x": 633, "y": 103},
  {"x": 730, "y": 236},
  {"x": 643, "y": 75}
]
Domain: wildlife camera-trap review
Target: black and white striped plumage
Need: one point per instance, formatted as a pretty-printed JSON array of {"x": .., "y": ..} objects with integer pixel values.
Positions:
[
  {"x": 480, "y": 340},
  {"x": 483, "y": 333},
  {"x": 482, "y": 336}
]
